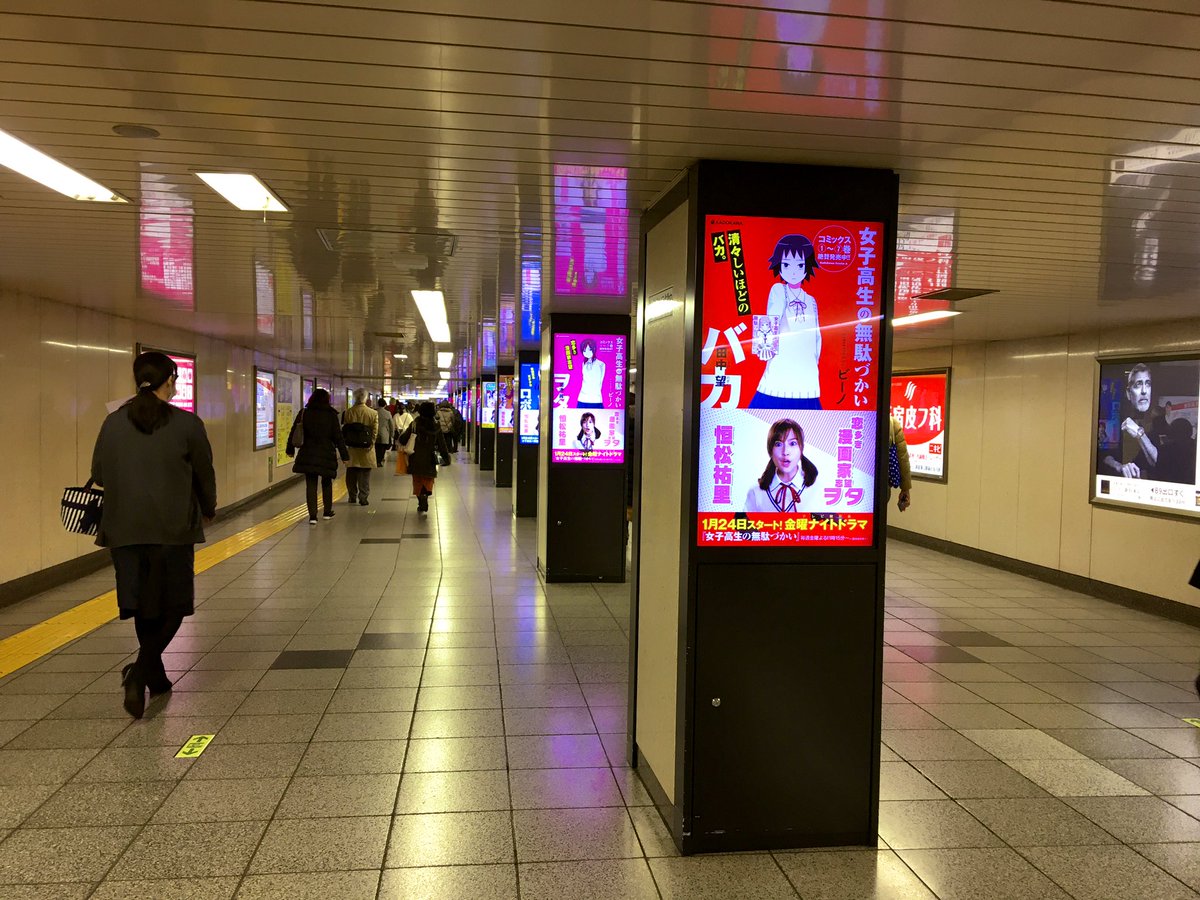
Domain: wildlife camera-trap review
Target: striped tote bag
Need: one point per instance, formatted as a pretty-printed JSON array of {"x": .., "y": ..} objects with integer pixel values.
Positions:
[{"x": 81, "y": 508}]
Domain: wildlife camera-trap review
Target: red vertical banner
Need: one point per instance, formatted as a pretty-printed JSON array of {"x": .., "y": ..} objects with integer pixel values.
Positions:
[
  {"x": 919, "y": 404},
  {"x": 789, "y": 375}
]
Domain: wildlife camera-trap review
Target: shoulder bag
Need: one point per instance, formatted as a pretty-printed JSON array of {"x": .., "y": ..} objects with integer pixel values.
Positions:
[{"x": 82, "y": 508}]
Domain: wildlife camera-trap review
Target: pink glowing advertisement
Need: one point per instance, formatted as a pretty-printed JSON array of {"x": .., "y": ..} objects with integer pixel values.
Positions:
[
  {"x": 588, "y": 382},
  {"x": 165, "y": 238},
  {"x": 591, "y": 231}
]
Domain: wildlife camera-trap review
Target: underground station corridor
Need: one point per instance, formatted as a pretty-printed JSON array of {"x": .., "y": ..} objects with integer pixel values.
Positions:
[{"x": 715, "y": 449}]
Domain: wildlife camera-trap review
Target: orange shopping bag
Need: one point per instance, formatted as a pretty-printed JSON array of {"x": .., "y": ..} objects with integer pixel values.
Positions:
[{"x": 401, "y": 462}]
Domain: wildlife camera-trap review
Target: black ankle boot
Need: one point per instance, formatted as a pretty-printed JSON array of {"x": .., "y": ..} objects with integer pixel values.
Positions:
[{"x": 135, "y": 690}]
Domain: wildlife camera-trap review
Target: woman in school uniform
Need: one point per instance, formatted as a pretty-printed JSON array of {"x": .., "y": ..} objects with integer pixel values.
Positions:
[{"x": 785, "y": 482}]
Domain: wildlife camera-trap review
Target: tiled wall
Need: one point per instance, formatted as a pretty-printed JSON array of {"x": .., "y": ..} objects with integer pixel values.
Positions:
[
  {"x": 1022, "y": 425},
  {"x": 60, "y": 365}
]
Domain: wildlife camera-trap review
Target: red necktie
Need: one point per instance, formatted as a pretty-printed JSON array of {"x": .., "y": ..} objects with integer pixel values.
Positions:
[{"x": 781, "y": 496}]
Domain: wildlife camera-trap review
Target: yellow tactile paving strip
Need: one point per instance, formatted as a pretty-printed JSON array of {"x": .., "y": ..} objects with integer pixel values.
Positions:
[{"x": 36, "y": 641}]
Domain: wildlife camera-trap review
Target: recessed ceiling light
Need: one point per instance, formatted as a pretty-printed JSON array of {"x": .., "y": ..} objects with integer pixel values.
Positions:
[
  {"x": 36, "y": 165},
  {"x": 399, "y": 356},
  {"x": 432, "y": 306},
  {"x": 135, "y": 131},
  {"x": 445, "y": 359},
  {"x": 243, "y": 190},
  {"x": 931, "y": 316},
  {"x": 443, "y": 374}
]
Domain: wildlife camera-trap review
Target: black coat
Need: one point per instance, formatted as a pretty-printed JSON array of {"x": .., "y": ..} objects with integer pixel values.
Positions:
[
  {"x": 323, "y": 443},
  {"x": 430, "y": 448}
]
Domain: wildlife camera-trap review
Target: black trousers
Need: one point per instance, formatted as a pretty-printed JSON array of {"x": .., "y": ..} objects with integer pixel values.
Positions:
[
  {"x": 380, "y": 452},
  {"x": 310, "y": 493},
  {"x": 154, "y": 636}
]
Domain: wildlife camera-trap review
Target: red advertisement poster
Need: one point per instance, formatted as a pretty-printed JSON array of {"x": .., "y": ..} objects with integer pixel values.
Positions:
[
  {"x": 788, "y": 379},
  {"x": 919, "y": 404}
]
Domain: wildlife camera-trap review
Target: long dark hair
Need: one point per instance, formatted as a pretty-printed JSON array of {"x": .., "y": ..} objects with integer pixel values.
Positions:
[
  {"x": 151, "y": 371},
  {"x": 319, "y": 397},
  {"x": 583, "y": 427},
  {"x": 778, "y": 432}
]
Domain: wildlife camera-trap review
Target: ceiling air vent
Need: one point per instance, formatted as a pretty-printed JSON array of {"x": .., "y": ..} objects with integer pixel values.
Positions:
[{"x": 434, "y": 242}]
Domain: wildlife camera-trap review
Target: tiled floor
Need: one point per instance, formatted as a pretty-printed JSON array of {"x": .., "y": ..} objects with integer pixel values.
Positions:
[{"x": 414, "y": 715}]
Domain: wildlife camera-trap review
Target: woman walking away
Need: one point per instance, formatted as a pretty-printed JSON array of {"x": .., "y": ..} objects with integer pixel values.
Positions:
[
  {"x": 320, "y": 445},
  {"x": 155, "y": 465},
  {"x": 430, "y": 449}
]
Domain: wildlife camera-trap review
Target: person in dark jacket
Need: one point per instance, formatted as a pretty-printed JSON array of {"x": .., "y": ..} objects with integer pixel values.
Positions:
[
  {"x": 317, "y": 457},
  {"x": 155, "y": 464},
  {"x": 429, "y": 449}
]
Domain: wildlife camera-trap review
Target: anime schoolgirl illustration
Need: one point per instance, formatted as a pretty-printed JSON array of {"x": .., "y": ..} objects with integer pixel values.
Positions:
[
  {"x": 791, "y": 379},
  {"x": 591, "y": 388}
]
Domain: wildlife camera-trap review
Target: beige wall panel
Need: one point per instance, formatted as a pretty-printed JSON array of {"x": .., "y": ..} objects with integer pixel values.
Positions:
[
  {"x": 1077, "y": 514},
  {"x": 998, "y": 455},
  {"x": 1040, "y": 396},
  {"x": 54, "y": 461},
  {"x": 661, "y": 422},
  {"x": 965, "y": 445}
]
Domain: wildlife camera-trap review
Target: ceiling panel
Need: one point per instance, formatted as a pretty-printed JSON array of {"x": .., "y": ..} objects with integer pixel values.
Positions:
[{"x": 1056, "y": 141}]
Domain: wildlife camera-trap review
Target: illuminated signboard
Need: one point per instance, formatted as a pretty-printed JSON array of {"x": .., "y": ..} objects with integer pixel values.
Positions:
[
  {"x": 920, "y": 403},
  {"x": 264, "y": 409},
  {"x": 185, "y": 380},
  {"x": 307, "y": 389},
  {"x": 165, "y": 239},
  {"x": 588, "y": 378},
  {"x": 529, "y": 400},
  {"x": 531, "y": 299},
  {"x": 508, "y": 329},
  {"x": 264, "y": 298},
  {"x": 489, "y": 405},
  {"x": 789, "y": 375},
  {"x": 1146, "y": 416},
  {"x": 591, "y": 231},
  {"x": 504, "y": 403}
]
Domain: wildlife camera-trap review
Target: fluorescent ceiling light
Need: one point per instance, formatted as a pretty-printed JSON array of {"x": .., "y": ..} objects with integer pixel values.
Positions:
[
  {"x": 443, "y": 374},
  {"x": 243, "y": 190},
  {"x": 36, "y": 165},
  {"x": 445, "y": 359},
  {"x": 924, "y": 317},
  {"x": 399, "y": 356},
  {"x": 432, "y": 306}
]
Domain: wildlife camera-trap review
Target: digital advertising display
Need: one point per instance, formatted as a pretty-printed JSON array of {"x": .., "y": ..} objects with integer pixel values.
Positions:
[
  {"x": 185, "y": 380},
  {"x": 264, "y": 409},
  {"x": 508, "y": 329},
  {"x": 264, "y": 298},
  {"x": 591, "y": 231},
  {"x": 529, "y": 400},
  {"x": 588, "y": 381},
  {"x": 1146, "y": 417},
  {"x": 165, "y": 240},
  {"x": 789, "y": 378},
  {"x": 531, "y": 299},
  {"x": 920, "y": 402},
  {"x": 488, "y": 414},
  {"x": 505, "y": 404}
]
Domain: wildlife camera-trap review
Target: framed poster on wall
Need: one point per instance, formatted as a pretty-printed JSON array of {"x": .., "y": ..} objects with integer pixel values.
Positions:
[
  {"x": 1145, "y": 447},
  {"x": 264, "y": 409},
  {"x": 185, "y": 380},
  {"x": 789, "y": 375},
  {"x": 588, "y": 375},
  {"x": 287, "y": 407},
  {"x": 920, "y": 402}
]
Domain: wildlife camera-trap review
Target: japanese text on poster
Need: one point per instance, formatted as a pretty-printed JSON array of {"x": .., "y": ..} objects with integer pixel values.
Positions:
[{"x": 919, "y": 404}]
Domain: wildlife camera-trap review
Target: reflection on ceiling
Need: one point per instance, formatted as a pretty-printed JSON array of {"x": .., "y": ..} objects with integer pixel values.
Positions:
[{"x": 502, "y": 154}]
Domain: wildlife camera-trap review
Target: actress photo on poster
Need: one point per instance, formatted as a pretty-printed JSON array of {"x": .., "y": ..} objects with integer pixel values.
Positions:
[{"x": 789, "y": 473}]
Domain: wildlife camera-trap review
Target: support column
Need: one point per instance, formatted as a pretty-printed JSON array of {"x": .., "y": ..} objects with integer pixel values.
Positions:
[{"x": 758, "y": 548}]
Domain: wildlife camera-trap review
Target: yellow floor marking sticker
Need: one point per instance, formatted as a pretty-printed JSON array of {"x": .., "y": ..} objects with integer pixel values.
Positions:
[
  {"x": 1195, "y": 722},
  {"x": 36, "y": 641},
  {"x": 195, "y": 746}
]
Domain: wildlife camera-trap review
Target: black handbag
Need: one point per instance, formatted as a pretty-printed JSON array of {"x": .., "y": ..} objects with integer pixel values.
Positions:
[{"x": 82, "y": 508}]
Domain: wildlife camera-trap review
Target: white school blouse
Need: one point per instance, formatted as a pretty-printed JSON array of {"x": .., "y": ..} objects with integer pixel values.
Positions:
[
  {"x": 758, "y": 500},
  {"x": 793, "y": 371}
]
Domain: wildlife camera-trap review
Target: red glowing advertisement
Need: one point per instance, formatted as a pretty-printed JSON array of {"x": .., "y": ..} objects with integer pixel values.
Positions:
[
  {"x": 504, "y": 404},
  {"x": 920, "y": 404},
  {"x": 588, "y": 378},
  {"x": 264, "y": 409},
  {"x": 591, "y": 230},
  {"x": 165, "y": 234},
  {"x": 789, "y": 374},
  {"x": 185, "y": 380}
]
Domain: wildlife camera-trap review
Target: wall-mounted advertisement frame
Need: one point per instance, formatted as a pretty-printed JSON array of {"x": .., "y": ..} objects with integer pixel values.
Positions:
[
  {"x": 264, "y": 409},
  {"x": 185, "y": 381},
  {"x": 288, "y": 403},
  {"x": 1144, "y": 451},
  {"x": 306, "y": 390},
  {"x": 921, "y": 404}
]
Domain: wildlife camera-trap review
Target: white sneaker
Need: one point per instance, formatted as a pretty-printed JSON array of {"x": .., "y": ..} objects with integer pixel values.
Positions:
[{"x": 312, "y": 521}]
